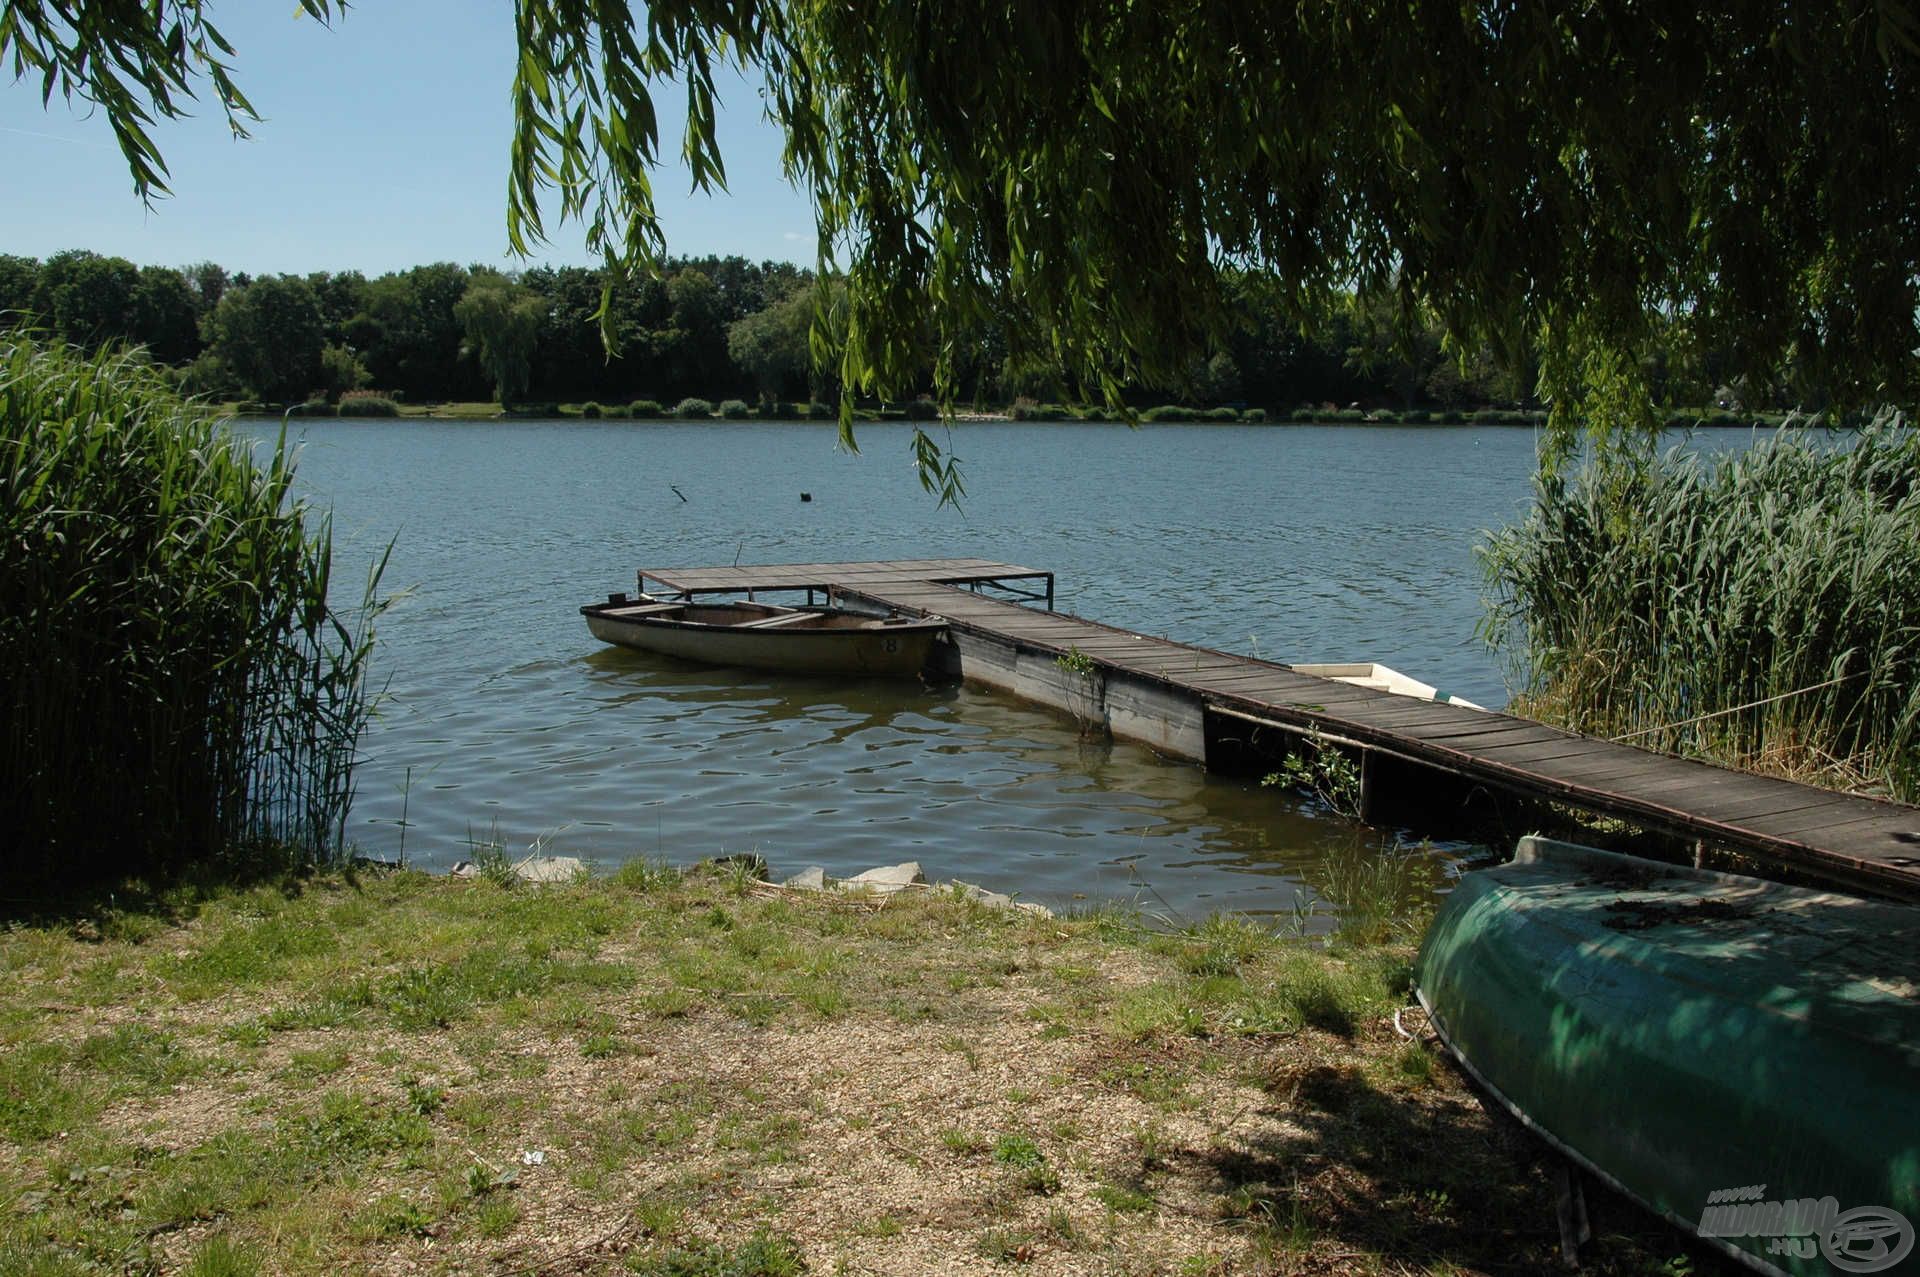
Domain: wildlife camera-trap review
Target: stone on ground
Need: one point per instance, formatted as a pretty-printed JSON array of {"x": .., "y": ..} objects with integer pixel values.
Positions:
[
  {"x": 887, "y": 879},
  {"x": 996, "y": 899},
  {"x": 549, "y": 868}
]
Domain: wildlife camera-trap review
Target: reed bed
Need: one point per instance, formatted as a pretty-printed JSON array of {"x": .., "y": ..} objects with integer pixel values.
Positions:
[
  {"x": 174, "y": 683},
  {"x": 1761, "y": 609}
]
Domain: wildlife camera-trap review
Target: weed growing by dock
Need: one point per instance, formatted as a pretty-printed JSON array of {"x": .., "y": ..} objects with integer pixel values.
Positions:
[
  {"x": 1323, "y": 773},
  {"x": 695, "y": 1073}
]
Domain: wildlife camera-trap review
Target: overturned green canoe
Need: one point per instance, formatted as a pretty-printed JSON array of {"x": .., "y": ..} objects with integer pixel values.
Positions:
[{"x": 1740, "y": 1056}]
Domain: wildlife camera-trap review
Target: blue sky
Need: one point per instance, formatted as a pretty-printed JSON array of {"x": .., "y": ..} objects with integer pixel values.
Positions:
[{"x": 383, "y": 145}]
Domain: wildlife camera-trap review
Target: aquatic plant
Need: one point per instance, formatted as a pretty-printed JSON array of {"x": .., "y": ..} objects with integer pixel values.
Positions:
[
  {"x": 1086, "y": 690},
  {"x": 1760, "y": 609},
  {"x": 1076, "y": 662},
  {"x": 174, "y": 682},
  {"x": 1323, "y": 773}
]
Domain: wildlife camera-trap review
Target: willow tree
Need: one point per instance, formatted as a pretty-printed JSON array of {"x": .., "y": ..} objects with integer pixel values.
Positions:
[
  {"x": 502, "y": 322},
  {"x": 1088, "y": 176}
]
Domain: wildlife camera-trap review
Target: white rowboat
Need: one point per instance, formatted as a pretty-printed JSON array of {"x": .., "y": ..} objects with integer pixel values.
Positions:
[{"x": 767, "y": 637}]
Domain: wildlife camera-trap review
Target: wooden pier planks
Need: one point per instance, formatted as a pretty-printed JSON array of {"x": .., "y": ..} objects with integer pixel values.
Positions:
[
  {"x": 1868, "y": 841},
  {"x": 774, "y": 577}
]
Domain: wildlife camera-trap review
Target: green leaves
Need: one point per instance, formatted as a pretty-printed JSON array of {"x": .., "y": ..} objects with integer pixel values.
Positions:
[
  {"x": 272, "y": 334},
  {"x": 1082, "y": 180},
  {"x": 502, "y": 319},
  {"x": 585, "y": 125},
  {"x": 138, "y": 63}
]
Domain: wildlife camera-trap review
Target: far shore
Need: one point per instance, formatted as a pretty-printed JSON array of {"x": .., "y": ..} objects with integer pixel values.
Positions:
[{"x": 793, "y": 413}]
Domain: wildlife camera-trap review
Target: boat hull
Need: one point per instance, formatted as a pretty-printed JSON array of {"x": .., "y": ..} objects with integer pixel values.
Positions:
[
  {"x": 1383, "y": 678},
  {"x": 858, "y": 647},
  {"x": 1708, "y": 1044}
]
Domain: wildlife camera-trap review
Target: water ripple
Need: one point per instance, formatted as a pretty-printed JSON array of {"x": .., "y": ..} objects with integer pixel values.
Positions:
[{"x": 505, "y": 717}]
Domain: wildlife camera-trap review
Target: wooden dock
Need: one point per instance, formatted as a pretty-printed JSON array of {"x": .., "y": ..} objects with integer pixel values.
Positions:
[
  {"x": 826, "y": 578},
  {"x": 1185, "y": 701}
]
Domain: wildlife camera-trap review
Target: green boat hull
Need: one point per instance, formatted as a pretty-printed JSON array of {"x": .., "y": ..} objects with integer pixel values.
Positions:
[{"x": 1709, "y": 1044}]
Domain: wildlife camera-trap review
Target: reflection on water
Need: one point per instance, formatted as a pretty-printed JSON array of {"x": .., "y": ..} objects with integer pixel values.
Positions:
[{"x": 505, "y": 718}]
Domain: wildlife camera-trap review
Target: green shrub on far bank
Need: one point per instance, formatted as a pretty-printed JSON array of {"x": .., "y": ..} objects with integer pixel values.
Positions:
[
  {"x": 590, "y": 410},
  {"x": 174, "y": 683},
  {"x": 1180, "y": 413},
  {"x": 785, "y": 410},
  {"x": 1760, "y": 609},
  {"x": 644, "y": 409},
  {"x": 366, "y": 403},
  {"x": 690, "y": 407},
  {"x": 735, "y": 410}
]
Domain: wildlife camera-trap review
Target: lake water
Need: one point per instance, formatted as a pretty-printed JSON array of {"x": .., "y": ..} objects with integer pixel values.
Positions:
[{"x": 506, "y": 720}]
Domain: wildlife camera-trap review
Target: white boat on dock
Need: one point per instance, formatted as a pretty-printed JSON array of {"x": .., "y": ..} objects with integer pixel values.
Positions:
[{"x": 1382, "y": 678}]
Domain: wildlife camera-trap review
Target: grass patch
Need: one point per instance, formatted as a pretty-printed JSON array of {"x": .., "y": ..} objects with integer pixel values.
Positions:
[
  {"x": 763, "y": 1255},
  {"x": 1122, "y": 1199},
  {"x": 660, "y": 1067},
  {"x": 220, "y": 1257}
]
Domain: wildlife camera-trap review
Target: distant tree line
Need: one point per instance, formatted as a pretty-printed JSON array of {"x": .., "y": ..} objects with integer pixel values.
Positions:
[{"x": 711, "y": 326}]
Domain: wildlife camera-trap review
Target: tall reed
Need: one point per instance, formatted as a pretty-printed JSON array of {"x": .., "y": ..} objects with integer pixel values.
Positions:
[
  {"x": 1761, "y": 609},
  {"x": 174, "y": 683}
]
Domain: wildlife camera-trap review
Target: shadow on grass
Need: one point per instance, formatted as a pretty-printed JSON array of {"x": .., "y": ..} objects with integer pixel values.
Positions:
[
  {"x": 1421, "y": 1177},
  {"x": 107, "y": 909}
]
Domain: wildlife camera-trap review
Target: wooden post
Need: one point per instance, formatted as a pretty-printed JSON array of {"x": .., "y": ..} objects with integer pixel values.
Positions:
[{"x": 1570, "y": 1211}]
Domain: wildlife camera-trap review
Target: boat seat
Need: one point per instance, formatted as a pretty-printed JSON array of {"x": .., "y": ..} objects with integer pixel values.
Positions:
[
  {"x": 645, "y": 609},
  {"x": 769, "y": 622}
]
